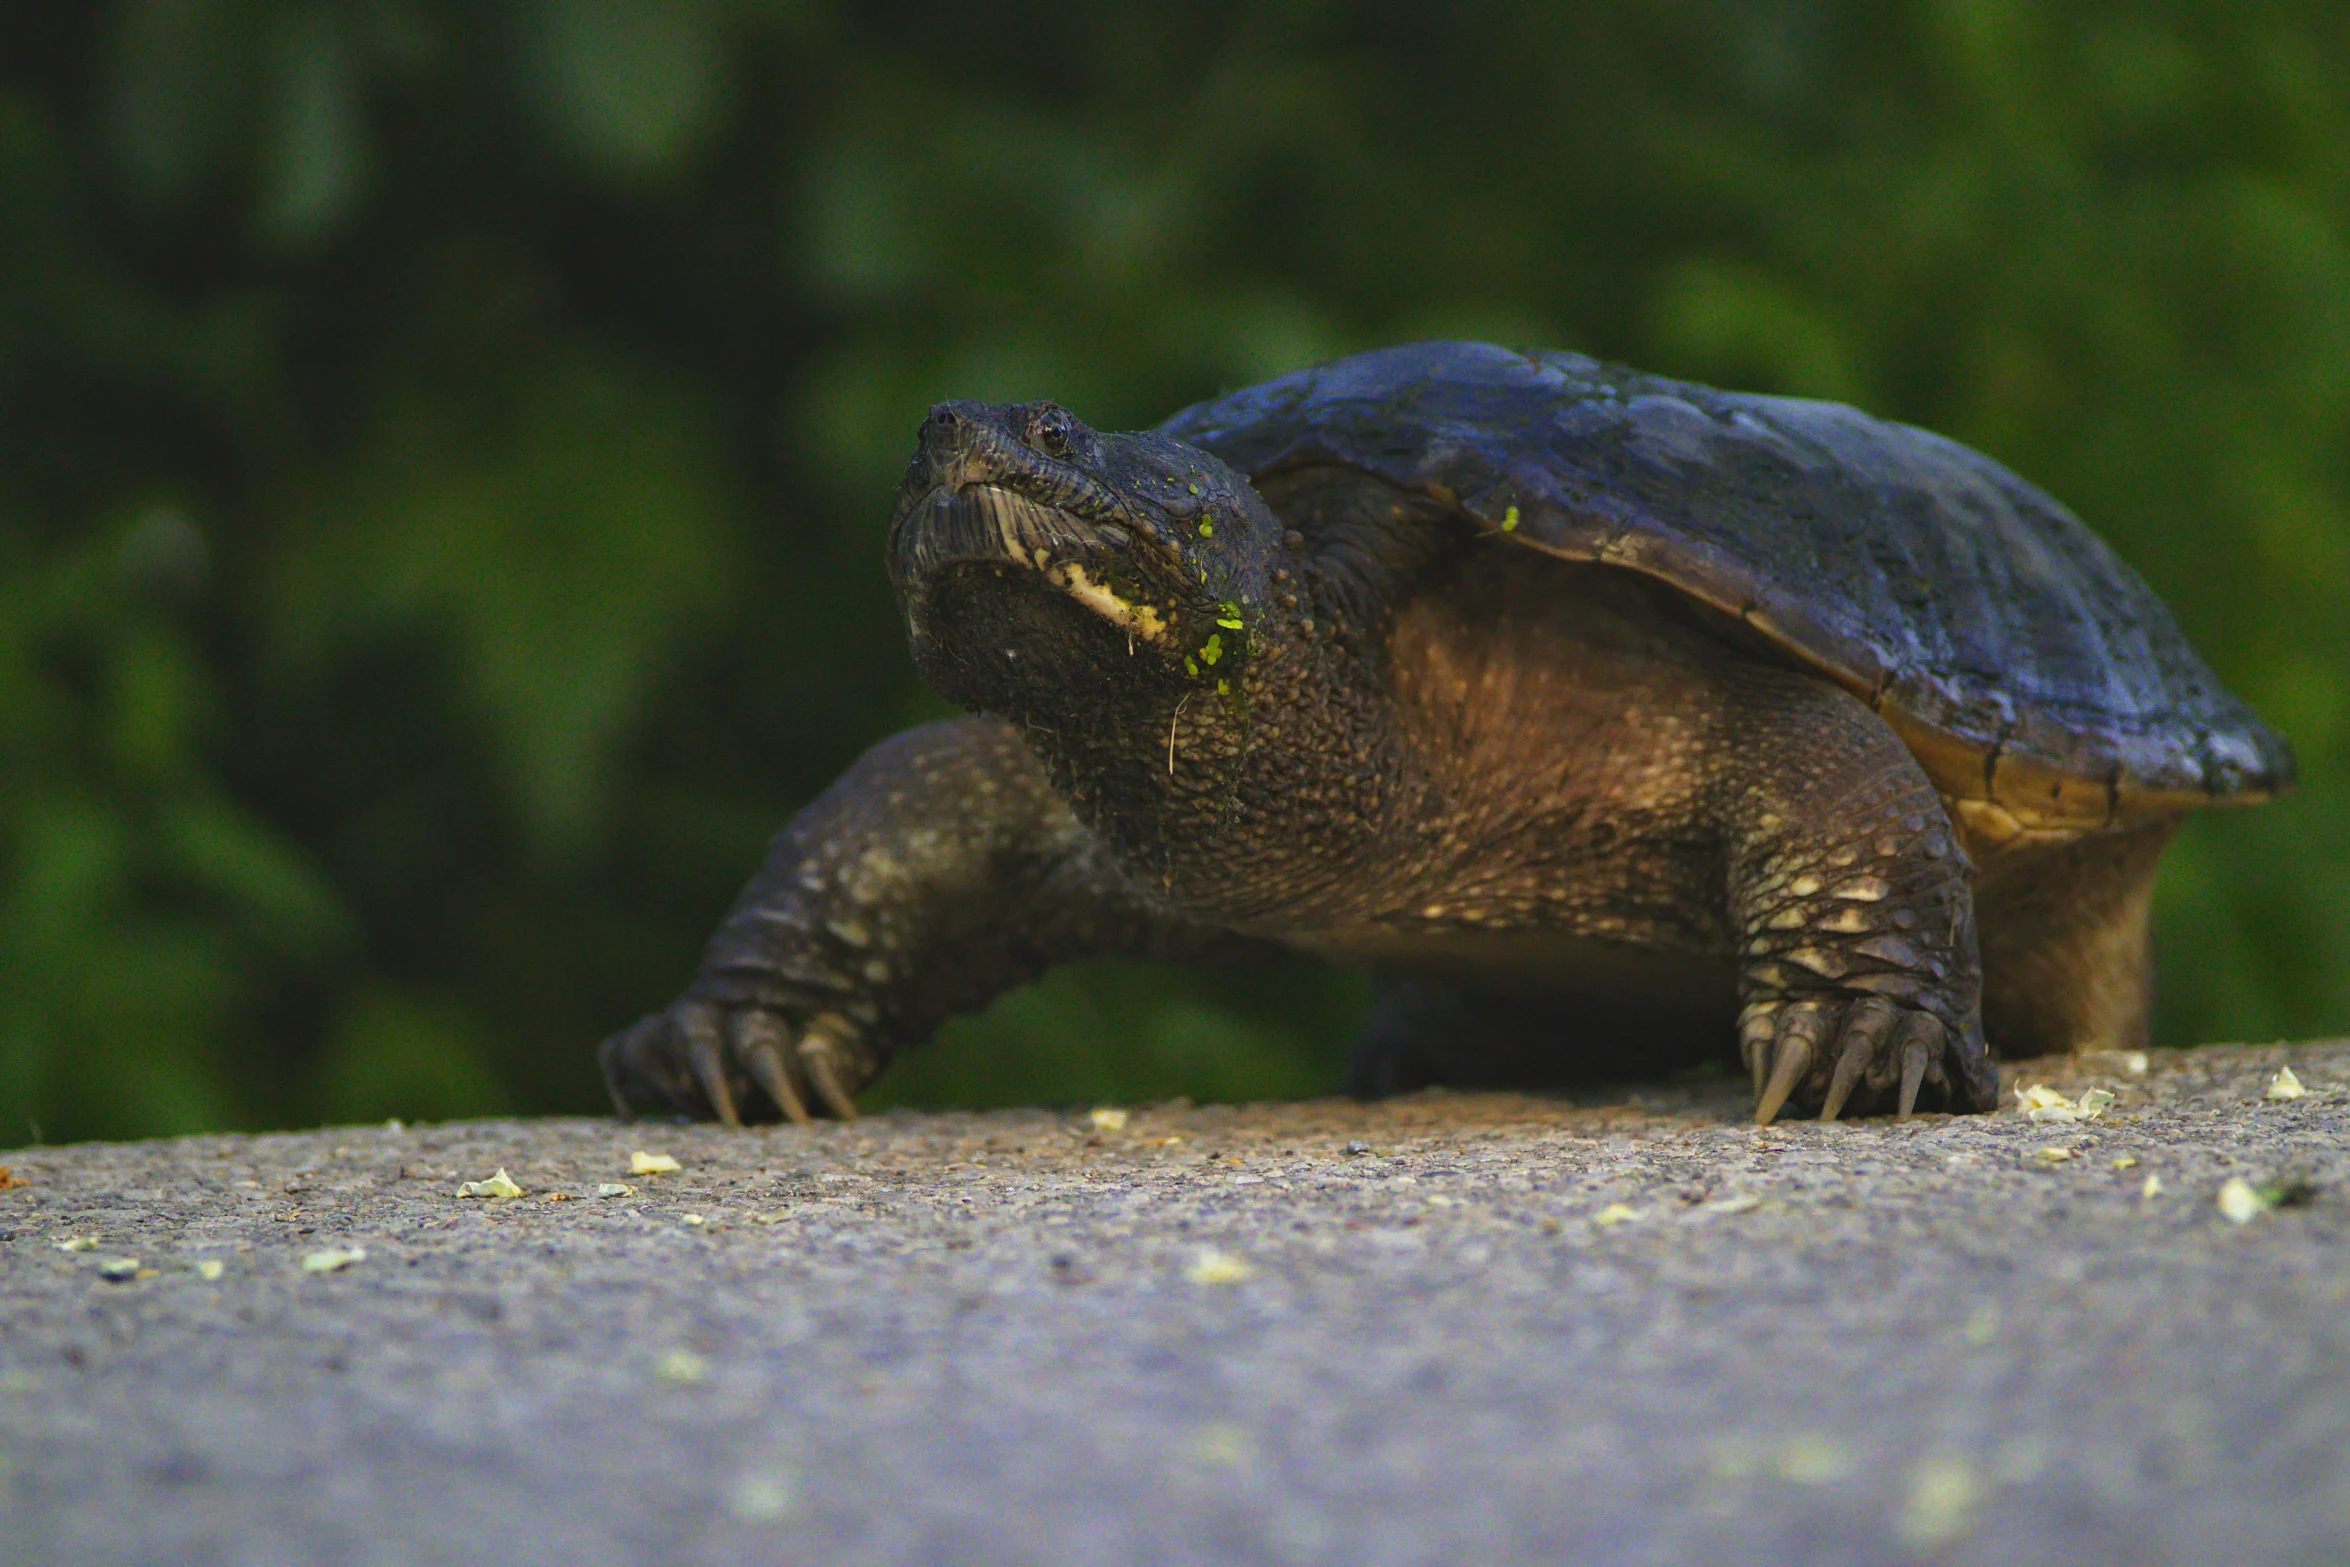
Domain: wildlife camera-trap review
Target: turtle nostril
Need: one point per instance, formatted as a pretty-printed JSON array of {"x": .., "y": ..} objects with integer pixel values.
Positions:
[{"x": 942, "y": 440}]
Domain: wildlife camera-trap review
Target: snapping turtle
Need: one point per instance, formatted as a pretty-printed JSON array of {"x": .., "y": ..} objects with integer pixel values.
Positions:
[{"x": 1608, "y": 719}]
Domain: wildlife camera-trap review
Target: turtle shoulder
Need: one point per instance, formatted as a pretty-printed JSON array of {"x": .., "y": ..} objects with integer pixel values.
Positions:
[{"x": 2043, "y": 686}]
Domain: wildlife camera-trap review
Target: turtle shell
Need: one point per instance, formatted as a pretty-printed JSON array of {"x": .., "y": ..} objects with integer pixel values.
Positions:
[{"x": 2043, "y": 686}]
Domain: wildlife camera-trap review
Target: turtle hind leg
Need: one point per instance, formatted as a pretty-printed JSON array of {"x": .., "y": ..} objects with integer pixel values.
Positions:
[{"x": 2067, "y": 955}]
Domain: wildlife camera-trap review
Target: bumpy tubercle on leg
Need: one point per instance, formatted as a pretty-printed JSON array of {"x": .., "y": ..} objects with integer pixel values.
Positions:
[{"x": 1854, "y": 906}]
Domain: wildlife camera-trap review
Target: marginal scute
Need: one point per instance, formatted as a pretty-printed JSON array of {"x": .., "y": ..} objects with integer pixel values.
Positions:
[{"x": 2044, "y": 689}]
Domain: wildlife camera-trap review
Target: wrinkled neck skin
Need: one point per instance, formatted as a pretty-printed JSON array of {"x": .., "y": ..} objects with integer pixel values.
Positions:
[{"x": 1259, "y": 807}]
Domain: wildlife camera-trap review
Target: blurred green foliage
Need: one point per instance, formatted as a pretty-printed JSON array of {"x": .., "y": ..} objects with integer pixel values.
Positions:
[{"x": 444, "y": 447}]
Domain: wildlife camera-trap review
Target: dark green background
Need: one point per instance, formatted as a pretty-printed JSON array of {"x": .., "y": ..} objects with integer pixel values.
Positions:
[{"x": 444, "y": 446}]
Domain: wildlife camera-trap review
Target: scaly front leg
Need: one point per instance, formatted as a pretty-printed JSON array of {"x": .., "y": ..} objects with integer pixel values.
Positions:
[
  {"x": 1854, "y": 905},
  {"x": 939, "y": 871}
]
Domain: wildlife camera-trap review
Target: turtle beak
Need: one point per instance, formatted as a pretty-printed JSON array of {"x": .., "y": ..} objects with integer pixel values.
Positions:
[{"x": 983, "y": 523}]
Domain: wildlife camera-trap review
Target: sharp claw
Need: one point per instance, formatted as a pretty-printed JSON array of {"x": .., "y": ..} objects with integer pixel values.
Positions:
[
  {"x": 816, "y": 1056},
  {"x": 1913, "y": 1073},
  {"x": 1849, "y": 1067},
  {"x": 1866, "y": 1023},
  {"x": 1754, "y": 1044},
  {"x": 757, "y": 1037},
  {"x": 1794, "y": 1059},
  {"x": 708, "y": 1059}
]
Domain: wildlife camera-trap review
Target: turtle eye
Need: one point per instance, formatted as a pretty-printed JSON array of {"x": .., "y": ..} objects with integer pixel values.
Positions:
[{"x": 1049, "y": 432}]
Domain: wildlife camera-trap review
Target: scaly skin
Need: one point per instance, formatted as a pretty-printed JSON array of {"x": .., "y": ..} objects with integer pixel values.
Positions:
[
  {"x": 939, "y": 870},
  {"x": 1472, "y": 768}
]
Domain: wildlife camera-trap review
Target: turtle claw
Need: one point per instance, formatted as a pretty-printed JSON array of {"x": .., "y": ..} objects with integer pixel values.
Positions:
[
  {"x": 757, "y": 1040},
  {"x": 705, "y": 1052},
  {"x": 1848, "y": 1069},
  {"x": 1914, "y": 1052},
  {"x": 816, "y": 1054},
  {"x": 1799, "y": 1031},
  {"x": 1833, "y": 1049},
  {"x": 1866, "y": 1023},
  {"x": 1793, "y": 1059},
  {"x": 1755, "y": 1032},
  {"x": 703, "y": 1057}
]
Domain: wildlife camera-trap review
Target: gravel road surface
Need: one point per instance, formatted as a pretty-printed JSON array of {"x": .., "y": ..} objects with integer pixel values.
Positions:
[{"x": 1445, "y": 1329}]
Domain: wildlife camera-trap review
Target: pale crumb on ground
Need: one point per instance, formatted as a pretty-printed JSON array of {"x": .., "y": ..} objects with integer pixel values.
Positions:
[
  {"x": 333, "y": 1259},
  {"x": 691, "y": 1218},
  {"x": 2125, "y": 1161},
  {"x": 1939, "y": 1506},
  {"x": 2151, "y": 1190},
  {"x": 1811, "y": 1459},
  {"x": 1616, "y": 1213},
  {"x": 614, "y": 1189},
  {"x": 643, "y": 1163},
  {"x": 1108, "y": 1120},
  {"x": 2042, "y": 1103},
  {"x": 119, "y": 1268},
  {"x": 2285, "y": 1085},
  {"x": 762, "y": 1496},
  {"x": 1737, "y": 1202},
  {"x": 1219, "y": 1267},
  {"x": 2239, "y": 1202},
  {"x": 498, "y": 1185},
  {"x": 1222, "y": 1445},
  {"x": 2054, "y": 1153},
  {"x": 682, "y": 1365},
  {"x": 210, "y": 1269},
  {"x": 76, "y": 1243}
]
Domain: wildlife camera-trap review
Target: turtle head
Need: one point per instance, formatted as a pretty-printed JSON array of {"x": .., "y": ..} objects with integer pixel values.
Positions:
[{"x": 1045, "y": 567}]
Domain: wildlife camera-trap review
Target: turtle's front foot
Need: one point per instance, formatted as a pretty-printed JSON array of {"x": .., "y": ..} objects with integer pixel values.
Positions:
[
  {"x": 710, "y": 1058},
  {"x": 1833, "y": 1047}
]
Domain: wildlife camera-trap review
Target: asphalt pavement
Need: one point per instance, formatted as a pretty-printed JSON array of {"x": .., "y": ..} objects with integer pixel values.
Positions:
[{"x": 1443, "y": 1329}]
